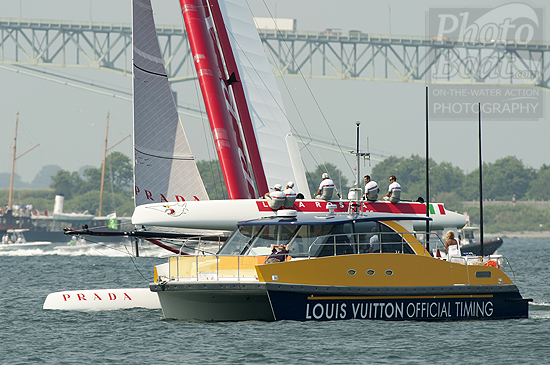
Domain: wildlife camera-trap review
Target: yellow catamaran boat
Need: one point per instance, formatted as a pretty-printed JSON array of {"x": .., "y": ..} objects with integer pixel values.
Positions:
[{"x": 337, "y": 267}]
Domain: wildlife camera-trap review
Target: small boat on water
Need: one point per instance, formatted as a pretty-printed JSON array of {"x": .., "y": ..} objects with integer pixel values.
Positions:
[
  {"x": 15, "y": 238},
  {"x": 357, "y": 266},
  {"x": 469, "y": 244}
]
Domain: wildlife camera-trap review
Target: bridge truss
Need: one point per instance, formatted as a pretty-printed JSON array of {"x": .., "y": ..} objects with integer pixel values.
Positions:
[{"x": 332, "y": 55}]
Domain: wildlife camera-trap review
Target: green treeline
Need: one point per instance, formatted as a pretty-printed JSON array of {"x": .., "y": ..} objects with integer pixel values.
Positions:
[
  {"x": 82, "y": 192},
  {"x": 504, "y": 180}
]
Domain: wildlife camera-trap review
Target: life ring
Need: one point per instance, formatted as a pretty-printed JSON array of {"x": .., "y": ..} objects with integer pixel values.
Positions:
[{"x": 492, "y": 263}]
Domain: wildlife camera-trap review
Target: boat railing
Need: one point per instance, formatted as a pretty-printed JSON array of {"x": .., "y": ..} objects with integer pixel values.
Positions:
[
  {"x": 359, "y": 243},
  {"x": 202, "y": 245},
  {"x": 214, "y": 268}
]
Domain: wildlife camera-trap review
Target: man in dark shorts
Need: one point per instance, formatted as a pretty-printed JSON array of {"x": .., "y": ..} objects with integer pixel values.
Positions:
[{"x": 278, "y": 254}]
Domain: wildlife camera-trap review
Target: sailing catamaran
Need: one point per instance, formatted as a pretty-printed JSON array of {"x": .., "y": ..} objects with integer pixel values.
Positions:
[{"x": 231, "y": 66}]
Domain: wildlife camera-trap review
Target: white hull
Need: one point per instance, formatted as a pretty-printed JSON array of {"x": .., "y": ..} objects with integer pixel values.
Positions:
[
  {"x": 102, "y": 299},
  {"x": 26, "y": 244},
  {"x": 224, "y": 214}
]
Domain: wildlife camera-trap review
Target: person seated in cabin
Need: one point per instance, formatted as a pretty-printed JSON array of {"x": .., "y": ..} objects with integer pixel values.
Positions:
[
  {"x": 326, "y": 188},
  {"x": 451, "y": 245},
  {"x": 279, "y": 253},
  {"x": 371, "y": 189},
  {"x": 290, "y": 195},
  {"x": 276, "y": 198},
  {"x": 394, "y": 191}
]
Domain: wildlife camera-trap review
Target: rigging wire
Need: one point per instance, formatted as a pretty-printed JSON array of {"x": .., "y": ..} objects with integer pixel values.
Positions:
[
  {"x": 281, "y": 108},
  {"x": 310, "y": 91}
]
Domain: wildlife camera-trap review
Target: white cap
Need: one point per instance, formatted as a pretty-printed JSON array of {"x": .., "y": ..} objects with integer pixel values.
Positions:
[
  {"x": 290, "y": 184},
  {"x": 277, "y": 187},
  {"x": 326, "y": 176}
]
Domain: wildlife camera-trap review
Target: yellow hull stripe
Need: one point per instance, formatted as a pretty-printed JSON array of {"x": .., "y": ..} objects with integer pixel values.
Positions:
[{"x": 404, "y": 297}]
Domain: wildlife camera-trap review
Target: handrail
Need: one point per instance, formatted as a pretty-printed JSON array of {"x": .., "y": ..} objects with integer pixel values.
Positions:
[
  {"x": 199, "y": 238},
  {"x": 355, "y": 241}
]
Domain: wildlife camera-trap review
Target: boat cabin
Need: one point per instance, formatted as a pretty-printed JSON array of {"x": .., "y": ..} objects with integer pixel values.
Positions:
[
  {"x": 319, "y": 236},
  {"x": 469, "y": 234}
]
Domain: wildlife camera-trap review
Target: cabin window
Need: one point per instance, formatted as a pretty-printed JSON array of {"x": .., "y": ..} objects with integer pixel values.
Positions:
[
  {"x": 238, "y": 240},
  {"x": 483, "y": 274},
  {"x": 368, "y": 236},
  {"x": 270, "y": 235},
  {"x": 376, "y": 237},
  {"x": 257, "y": 240},
  {"x": 469, "y": 235},
  {"x": 340, "y": 242},
  {"x": 392, "y": 242},
  {"x": 306, "y": 237}
]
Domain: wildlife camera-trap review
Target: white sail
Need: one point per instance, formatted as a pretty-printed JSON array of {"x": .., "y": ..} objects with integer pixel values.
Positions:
[
  {"x": 262, "y": 93},
  {"x": 164, "y": 167}
]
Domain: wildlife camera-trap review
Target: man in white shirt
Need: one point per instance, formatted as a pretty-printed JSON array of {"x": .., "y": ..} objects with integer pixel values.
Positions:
[
  {"x": 276, "y": 198},
  {"x": 394, "y": 191},
  {"x": 290, "y": 195},
  {"x": 326, "y": 188},
  {"x": 371, "y": 189}
]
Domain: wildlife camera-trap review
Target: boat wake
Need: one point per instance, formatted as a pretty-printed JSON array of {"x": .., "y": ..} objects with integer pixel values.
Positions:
[
  {"x": 109, "y": 250},
  {"x": 539, "y": 310}
]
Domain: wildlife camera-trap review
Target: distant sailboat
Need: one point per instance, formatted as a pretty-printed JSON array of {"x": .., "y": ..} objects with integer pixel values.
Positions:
[{"x": 10, "y": 217}]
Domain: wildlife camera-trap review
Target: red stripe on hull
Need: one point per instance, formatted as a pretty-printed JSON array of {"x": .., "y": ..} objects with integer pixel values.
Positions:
[{"x": 314, "y": 206}]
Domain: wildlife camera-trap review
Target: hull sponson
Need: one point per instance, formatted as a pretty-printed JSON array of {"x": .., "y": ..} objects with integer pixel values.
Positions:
[
  {"x": 214, "y": 301},
  {"x": 224, "y": 214},
  {"x": 302, "y": 303},
  {"x": 410, "y": 287}
]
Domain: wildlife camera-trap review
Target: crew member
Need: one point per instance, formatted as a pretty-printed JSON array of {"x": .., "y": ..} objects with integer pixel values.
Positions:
[
  {"x": 394, "y": 191},
  {"x": 371, "y": 189},
  {"x": 290, "y": 195},
  {"x": 326, "y": 188},
  {"x": 276, "y": 198}
]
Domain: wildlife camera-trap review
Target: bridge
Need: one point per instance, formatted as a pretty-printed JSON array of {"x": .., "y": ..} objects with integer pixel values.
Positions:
[{"x": 26, "y": 43}]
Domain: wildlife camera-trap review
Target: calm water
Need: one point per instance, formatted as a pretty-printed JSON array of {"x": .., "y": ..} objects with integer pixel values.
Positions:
[{"x": 32, "y": 335}]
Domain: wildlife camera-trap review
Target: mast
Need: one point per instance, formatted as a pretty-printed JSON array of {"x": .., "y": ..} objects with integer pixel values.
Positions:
[
  {"x": 213, "y": 85},
  {"x": 240, "y": 100},
  {"x": 103, "y": 169},
  {"x": 358, "y": 179},
  {"x": 13, "y": 160},
  {"x": 427, "y": 178},
  {"x": 358, "y": 154},
  {"x": 480, "y": 185}
]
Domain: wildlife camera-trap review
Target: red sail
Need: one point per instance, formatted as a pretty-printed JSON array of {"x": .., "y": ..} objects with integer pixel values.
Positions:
[
  {"x": 212, "y": 80},
  {"x": 242, "y": 106}
]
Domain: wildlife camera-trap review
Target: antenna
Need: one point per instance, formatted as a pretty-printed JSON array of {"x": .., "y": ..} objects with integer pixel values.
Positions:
[{"x": 358, "y": 154}]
